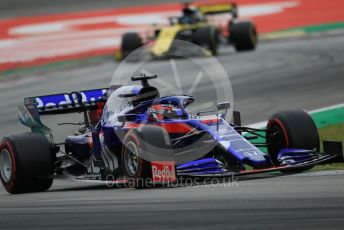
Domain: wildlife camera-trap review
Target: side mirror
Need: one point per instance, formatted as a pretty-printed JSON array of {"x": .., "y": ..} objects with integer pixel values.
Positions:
[{"x": 223, "y": 106}]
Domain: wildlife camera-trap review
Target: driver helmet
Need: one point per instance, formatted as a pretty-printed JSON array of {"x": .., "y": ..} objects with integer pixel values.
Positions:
[
  {"x": 190, "y": 14},
  {"x": 161, "y": 112}
]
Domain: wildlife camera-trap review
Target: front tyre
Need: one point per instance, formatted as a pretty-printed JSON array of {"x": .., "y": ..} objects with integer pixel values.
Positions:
[
  {"x": 208, "y": 38},
  {"x": 130, "y": 42},
  {"x": 243, "y": 35},
  {"x": 26, "y": 163},
  {"x": 291, "y": 129}
]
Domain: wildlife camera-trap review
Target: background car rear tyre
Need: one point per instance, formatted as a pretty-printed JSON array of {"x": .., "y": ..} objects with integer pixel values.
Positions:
[
  {"x": 208, "y": 38},
  {"x": 137, "y": 142},
  {"x": 130, "y": 42},
  {"x": 31, "y": 166},
  {"x": 291, "y": 129},
  {"x": 243, "y": 35}
]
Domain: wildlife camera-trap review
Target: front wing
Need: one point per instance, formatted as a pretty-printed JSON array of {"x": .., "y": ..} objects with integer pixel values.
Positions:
[{"x": 284, "y": 168}]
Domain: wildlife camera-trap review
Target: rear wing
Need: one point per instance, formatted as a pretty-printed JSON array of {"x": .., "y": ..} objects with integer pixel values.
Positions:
[
  {"x": 61, "y": 103},
  {"x": 78, "y": 101},
  {"x": 218, "y": 8}
]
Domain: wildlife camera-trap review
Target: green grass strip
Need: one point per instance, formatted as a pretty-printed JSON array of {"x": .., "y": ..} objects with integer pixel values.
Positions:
[{"x": 329, "y": 117}]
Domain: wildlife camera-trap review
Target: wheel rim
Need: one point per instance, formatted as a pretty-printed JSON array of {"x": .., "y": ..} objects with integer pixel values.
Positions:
[
  {"x": 5, "y": 165},
  {"x": 277, "y": 141},
  {"x": 131, "y": 158}
]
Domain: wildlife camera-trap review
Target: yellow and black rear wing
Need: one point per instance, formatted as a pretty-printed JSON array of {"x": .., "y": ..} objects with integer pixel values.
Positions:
[{"x": 218, "y": 8}]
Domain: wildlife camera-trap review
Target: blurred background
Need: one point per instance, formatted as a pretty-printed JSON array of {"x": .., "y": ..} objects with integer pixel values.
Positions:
[{"x": 54, "y": 46}]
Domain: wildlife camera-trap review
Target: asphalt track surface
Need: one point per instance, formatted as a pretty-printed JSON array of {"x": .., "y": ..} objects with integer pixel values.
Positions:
[
  {"x": 303, "y": 73},
  {"x": 299, "y": 73},
  {"x": 288, "y": 202}
]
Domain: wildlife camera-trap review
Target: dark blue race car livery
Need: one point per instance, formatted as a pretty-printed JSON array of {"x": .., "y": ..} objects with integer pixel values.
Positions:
[{"x": 130, "y": 133}]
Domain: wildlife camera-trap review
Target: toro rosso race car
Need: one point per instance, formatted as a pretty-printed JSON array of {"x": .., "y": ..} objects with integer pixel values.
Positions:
[
  {"x": 196, "y": 27},
  {"x": 132, "y": 134}
]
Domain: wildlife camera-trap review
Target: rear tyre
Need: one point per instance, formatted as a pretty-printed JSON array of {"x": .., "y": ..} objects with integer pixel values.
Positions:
[
  {"x": 208, "y": 38},
  {"x": 291, "y": 129},
  {"x": 130, "y": 42},
  {"x": 137, "y": 153},
  {"x": 26, "y": 163},
  {"x": 243, "y": 35},
  {"x": 135, "y": 167}
]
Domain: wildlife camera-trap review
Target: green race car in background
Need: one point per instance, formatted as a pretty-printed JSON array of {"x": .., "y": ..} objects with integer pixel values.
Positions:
[{"x": 196, "y": 26}]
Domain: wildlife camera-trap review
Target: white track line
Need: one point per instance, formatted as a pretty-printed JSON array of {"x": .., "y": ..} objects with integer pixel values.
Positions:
[
  {"x": 327, "y": 108},
  {"x": 263, "y": 123}
]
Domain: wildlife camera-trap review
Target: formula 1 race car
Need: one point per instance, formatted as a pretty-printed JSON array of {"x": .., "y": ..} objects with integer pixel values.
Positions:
[
  {"x": 195, "y": 26},
  {"x": 132, "y": 133}
]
